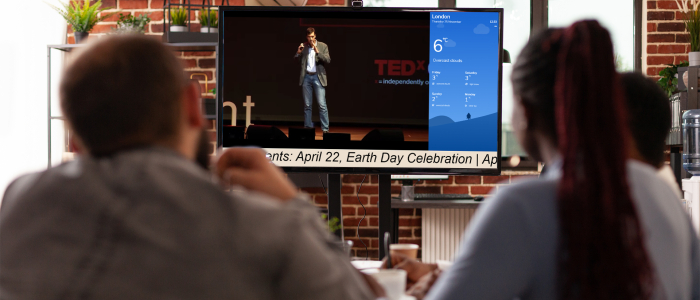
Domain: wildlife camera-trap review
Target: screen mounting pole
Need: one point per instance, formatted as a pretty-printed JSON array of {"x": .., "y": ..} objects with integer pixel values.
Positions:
[
  {"x": 385, "y": 213},
  {"x": 335, "y": 203}
]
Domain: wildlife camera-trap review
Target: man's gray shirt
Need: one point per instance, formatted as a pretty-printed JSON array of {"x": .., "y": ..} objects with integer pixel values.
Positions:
[{"x": 149, "y": 224}]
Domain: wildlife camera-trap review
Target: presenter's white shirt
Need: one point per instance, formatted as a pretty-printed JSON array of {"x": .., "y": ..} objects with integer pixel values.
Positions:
[{"x": 311, "y": 60}]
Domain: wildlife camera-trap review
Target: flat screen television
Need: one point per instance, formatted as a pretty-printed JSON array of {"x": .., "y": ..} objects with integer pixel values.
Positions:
[{"x": 401, "y": 90}]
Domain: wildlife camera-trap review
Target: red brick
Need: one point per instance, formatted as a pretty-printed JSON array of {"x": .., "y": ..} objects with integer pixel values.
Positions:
[
  {"x": 237, "y": 2},
  {"x": 189, "y": 63},
  {"x": 405, "y": 233},
  {"x": 659, "y": 60},
  {"x": 316, "y": 2},
  {"x": 651, "y": 4},
  {"x": 682, "y": 38},
  {"x": 349, "y": 232},
  {"x": 449, "y": 180},
  {"x": 374, "y": 243},
  {"x": 680, "y": 58},
  {"x": 102, "y": 28},
  {"x": 660, "y": 15},
  {"x": 481, "y": 190},
  {"x": 371, "y": 211},
  {"x": 410, "y": 222},
  {"x": 347, "y": 190},
  {"x": 427, "y": 189},
  {"x": 321, "y": 199},
  {"x": 199, "y": 53},
  {"x": 348, "y": 211},
  {"x": 157, "y": 28},
  {"x": 369, "y": 189},
  {"x": 467, "y": 179},
  {"x": 337, "y": 2},
  {"x": 675, "y": 26},
  {"x": 455, "y": 190},
  {"x": 353, "y": 178},
  {"x": 369, "y": 232},
  {"x": 497, "y": 179},
  {"x": 353, "y": 200},
  {"x": 114, "y": 17},
  {"x": 665, "y": 49},
  {"x": 353, "y": 221},
  {"x": 406, "y": 211},
  {"x": 651, "y": 27},
  {"x": 667, "y": 4},
  {"x": 417, "y": 232},
  {"x": 652, "y": 49},
  {"x": 374, "y": 179},
  {"x": 158, "y": 3},
  {"x": 651, "y": 71},
  {"x": 373, "y": 221},
  {"x": 154, "y": 15},
  {"x": 661, "y": 38},
  {"x": 133, "y": 4},
  {"x": 680, "y": 15},
  {"x": 374, "y": 199},
  {"x": 207, "y": 63}
]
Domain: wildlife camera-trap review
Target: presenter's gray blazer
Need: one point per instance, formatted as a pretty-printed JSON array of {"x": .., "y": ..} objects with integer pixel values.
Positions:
[{"x": 322, "y": 58}]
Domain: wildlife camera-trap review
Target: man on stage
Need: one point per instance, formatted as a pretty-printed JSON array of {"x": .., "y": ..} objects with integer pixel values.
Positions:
[{"x": 313, "y": 75}]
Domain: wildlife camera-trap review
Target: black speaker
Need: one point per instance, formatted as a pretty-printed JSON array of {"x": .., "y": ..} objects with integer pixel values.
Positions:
[
  {"x": 262, "y": 132},
  {"x": 302, "y": 134},
  {"x": 336, "y": 136},
  {"x": 231, "y": 134},
  {"x": 384, "y": 135}
]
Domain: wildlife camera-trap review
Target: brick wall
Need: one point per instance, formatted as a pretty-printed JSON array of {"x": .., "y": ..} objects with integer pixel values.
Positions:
[{"x": 667, "y": 39}]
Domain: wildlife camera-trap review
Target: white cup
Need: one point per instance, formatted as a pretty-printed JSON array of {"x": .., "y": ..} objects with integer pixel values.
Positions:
[{"x": 393, "y": 281}]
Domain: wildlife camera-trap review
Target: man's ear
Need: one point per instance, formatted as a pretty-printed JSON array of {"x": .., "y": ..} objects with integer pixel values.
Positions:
[{"x": 192, "y": 104}]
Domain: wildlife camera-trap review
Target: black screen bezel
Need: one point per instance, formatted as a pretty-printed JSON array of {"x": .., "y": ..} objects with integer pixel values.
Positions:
[{"x": 324, "y": 9}]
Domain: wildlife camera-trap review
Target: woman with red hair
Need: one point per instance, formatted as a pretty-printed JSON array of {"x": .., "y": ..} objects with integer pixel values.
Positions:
[{"x": 596, "y": 225}]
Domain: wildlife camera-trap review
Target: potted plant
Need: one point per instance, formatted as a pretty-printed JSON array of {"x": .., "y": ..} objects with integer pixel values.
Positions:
[
  {"x": 209, "y": 21},
  {"x": 178, "y": 18},
  {"x": 692, "y": 25},
  {"x": 82, "y": 17},
  {"x": 669, "y": 78},
  {"x": 130, "y": 24}
]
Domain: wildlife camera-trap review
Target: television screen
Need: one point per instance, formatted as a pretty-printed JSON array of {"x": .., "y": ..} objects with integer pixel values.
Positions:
[{"x": 371, "y": 90}]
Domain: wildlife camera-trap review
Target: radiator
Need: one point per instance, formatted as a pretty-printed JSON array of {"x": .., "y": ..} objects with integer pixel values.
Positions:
[{"x": 442, "y": 232}]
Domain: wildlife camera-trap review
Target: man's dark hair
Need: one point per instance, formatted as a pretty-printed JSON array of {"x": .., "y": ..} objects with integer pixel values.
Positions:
[
  {"x": 310, "y": 30},
  {"x": 649, "y": 116},
  {"x": 123, "y": 92}
]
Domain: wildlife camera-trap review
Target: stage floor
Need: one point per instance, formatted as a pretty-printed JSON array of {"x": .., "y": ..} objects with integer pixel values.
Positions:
[{"x": 357, "y": 133}]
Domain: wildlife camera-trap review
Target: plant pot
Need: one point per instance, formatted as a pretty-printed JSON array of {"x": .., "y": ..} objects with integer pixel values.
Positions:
[
  {"x": 694, "y": 58},
  {"x": 209, "y": 30},
  {"x": 178, "y": 28},
  {"x": 80, "y": 37}
]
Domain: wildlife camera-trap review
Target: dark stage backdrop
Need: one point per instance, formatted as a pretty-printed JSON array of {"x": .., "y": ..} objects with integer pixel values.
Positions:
[{"x": 366, "y": 51}]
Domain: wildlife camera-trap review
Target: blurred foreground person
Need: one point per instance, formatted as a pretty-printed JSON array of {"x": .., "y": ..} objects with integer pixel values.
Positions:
[
  {"x": 597, "y": 225},
  {"x": 134, "y": 217},
  {"x": 650, "y": 121}
]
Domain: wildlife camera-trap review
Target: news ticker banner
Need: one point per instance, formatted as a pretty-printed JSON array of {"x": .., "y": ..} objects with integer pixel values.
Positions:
[{"x": 381, "y": 158}]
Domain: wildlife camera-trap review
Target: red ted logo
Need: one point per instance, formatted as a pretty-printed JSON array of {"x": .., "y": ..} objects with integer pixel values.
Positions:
[{"x": 397, "y": 67}]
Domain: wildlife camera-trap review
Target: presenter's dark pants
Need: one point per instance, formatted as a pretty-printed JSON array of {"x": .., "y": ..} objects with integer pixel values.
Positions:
[{"x": 311, "y": 82}]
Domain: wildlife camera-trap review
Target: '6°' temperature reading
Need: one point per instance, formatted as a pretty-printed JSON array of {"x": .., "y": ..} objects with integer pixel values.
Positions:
[{"x": 437, "y": 45}]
